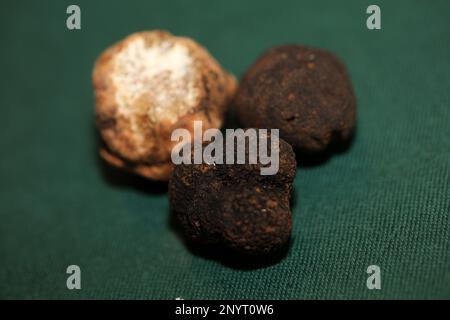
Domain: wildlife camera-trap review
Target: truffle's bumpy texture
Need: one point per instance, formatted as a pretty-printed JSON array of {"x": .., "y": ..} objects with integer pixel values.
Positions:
[
  {"x": 146, "y": 86},
  {"x": 304, "y": 92},
  {"x": 234, "y": 205}
]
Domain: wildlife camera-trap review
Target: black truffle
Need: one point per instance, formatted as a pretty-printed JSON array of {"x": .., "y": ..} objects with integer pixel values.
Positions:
[
  {"x": 234, "y": 205},
  {"x": 304, "y": 92}
]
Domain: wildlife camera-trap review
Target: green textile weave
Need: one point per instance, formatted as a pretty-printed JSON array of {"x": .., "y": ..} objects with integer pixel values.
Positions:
[{"x": 385, "y": 201}]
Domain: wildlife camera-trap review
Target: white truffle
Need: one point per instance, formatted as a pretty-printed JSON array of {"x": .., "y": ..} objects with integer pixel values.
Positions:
[{"x": 146, "y": 86}]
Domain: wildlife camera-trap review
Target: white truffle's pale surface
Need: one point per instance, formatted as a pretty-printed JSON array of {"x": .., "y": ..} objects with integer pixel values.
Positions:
[{"x": 148, "y": 85}]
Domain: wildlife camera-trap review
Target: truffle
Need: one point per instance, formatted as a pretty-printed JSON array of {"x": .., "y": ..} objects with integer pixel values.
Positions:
[
  {"x": 304, "y": 92},
  {"x": 234, "y": 205},
  {"x": 146, "y": 86}
]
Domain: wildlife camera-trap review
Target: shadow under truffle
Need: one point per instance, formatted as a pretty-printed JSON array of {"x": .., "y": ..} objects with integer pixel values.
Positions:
[
  {"x": 122, "y": 179},
  {"x": 224, "y": 255},
  {"x": 228, "y": 257}
]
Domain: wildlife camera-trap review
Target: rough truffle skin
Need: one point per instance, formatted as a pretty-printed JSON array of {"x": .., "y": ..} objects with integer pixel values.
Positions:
[
  {"x": 234, "y": 205},
  {"x": 146, "y": 86},
  {"x": 304, "y": 92}
]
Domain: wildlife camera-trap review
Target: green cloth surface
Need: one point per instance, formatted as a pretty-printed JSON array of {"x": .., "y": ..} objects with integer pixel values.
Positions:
[{"x": 385, "y": 201}]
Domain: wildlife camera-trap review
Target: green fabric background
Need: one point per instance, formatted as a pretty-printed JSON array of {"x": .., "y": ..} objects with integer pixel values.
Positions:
[{"x": 385, "y": 201}]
